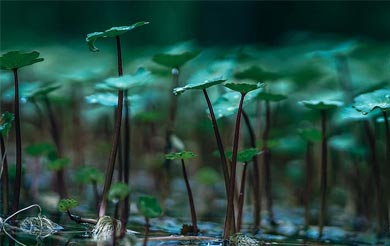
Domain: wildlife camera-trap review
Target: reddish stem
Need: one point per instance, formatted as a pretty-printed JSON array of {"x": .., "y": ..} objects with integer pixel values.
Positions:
[
  {"x": 241, "y": 198},
  {"x": 324, "y": 172},
  {"x": 190, "y": 198}
]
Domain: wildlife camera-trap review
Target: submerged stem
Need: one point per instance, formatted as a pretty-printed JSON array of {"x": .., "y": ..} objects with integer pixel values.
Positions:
[{"x": 230, "y": 203}]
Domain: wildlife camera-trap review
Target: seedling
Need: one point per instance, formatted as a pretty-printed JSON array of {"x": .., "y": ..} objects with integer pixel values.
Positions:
[
  {"x": 243, "y": 156},
  {"x": 118, "y": 193},
  {"x": 310, "y": 136},
  {"x": 5, "y": 126},
  {"x": 13, "y": 61},
  {"x": 322, "y": 106},
  {"x": 243, "y": 89},
  {"x": 182, "y": 156},
  {"x": 113, "y": 32},
  {"x": 366, "y": 103},
  {"x": 65, "y": 205},
  {"x": 149, "y": 208}
]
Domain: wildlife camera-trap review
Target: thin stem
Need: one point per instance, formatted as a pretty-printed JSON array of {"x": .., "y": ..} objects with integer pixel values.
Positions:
[
  {"x": 147, "y": 225},
  {"x": 308, "y": 181},
  {"x": 80, "y": 220},
  {"x": 190, "y": 198},
  {"x": 266, "y": 162},
  {"x": 96, "y": 194},
  {"x": 221, "y": 149},
  {"x": 387, "y": 136},
  {"x": 229, "y": 209},
  {"x": 18, "y": 138},
  {"x": 241, "y": 198},
  {"x": 324, "y": 172},
  {"x": 114, "y": 149},
  {"x": 4, "y": 175},
  {"x": 256, "y": 175}
]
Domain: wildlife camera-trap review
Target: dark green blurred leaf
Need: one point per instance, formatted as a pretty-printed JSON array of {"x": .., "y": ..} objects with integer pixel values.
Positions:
[
  {"x": 208, "y": 176},
  {"x": 367, "y": 102},
  {"x": 245, "y": 155},
  {"x": 67, "y": 204},
  {"x": 257, "y": 74},
  {"x": 6, "y": 120},
  {"x": 321, "y": 104},
  {"x": 89, "y": 175},
  {"x": 198, "y": 86},
  {"x": 39, "y": 149},
  {"x": 175, "y": 60},
  {"x": 347, "y": 143},
  {"x": 15, "y": 59},
  {"x": 149, "y": 206},
  {"x": 109, "y": 33},
  {"x": 140, "y": 78},
  {"x": 58, "y": 164},
  {"x": 118, "y": 192},
  {"x": 180, "y": 155},
  {"x": 270, "y": 97},
  {"x": 310, "y": 134},
  {"x": 42, "y": 91}
]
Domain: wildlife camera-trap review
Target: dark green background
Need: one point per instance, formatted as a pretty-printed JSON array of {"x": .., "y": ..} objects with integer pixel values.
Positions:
[{"x": 210, "y": 23}]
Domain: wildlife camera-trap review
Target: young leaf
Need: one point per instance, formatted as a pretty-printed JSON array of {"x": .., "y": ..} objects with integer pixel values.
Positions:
[
  {"x": 15, "y": 59},
  {"x": 112, "y": 32},
  {"x": 58, "y": 164},
  {"x": 6, "y": 123},
  {"x": 39, "y": 149},
  {"x": 67, "y": 204},
  {"x": 89, "y": 175},
  {"x": 175, "y": 60},
  {"x": 118, "y": 192},
  {"x": 243, "y": 87},
  {"x": 256, "y": 73},
  {"x": 198, "y": 86},
  {"x": 245, "y": 155},
  {"x": 367, "y": 102},
  {"x": 149, "y": 206},
  {"x": 321, "y": 104},
  {"x": 180, "y": 155}
]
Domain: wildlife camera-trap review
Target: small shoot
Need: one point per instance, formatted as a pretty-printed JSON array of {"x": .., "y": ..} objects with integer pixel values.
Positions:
[
  {"x": 90, "y": 175},
  {"x": 13, "y": 61},
  {"x": 184, "y": 155},
  {"x": 323, "y": 106},
  {"x": 65, "y": 205},
  {"x": 149, "y": 208}
]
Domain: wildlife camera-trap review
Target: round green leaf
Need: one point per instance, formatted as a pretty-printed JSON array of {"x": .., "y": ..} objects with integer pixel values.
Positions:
[
  {"x": 67, "y": 204},
  {"x": 58, "y": 164},
  {"x": 39, "y": 149},
  {"x": 243, "y": 87},
  {"x": 6, "y": 123},
  {"x": 245, "y": 155},
  {"x": 321, "y": 104},
  {"x": 348, "y": 114},
  {"x": 112, "y": 32},
  {"x": 270, "y": 97},
  {"x": 89, "y": 175},
  {"x": 118, "y": 192},
  {"x": 139, "y": 78},
  {"x": 198, "y": 86},
  {"x": 175, "y": 60},
  {"x": 15, "y": 59},
  {"x": 367, "y": 102},
  {"x": 180, "y": 155},
  {"x": 256, "y": 73},
  {"x": 149, "y": 206},
  {"x": 310, "y": 134}
]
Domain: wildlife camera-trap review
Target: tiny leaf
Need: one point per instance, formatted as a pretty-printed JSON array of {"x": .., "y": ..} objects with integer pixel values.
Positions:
[
  {"x": 67, "y": 204},
  {"x": 88, "y": 175},
  {"x": 180, "y": 155},
  {"x": 198, "y": 86},
  {"x": 149, "y": 206},
  {"x": 112, "y": 32},
  {"x": 6, "y": 123},
  {"x": 39, "y": 149},
  {"x": 245, "y": 155},
  {"x": 58, "y": 164},
  {"x": 118, "y": 192},
  {"x": 243, "y": 87},
  {"x": 175, "y": 60},
  {"x": 15, "y": 59}
]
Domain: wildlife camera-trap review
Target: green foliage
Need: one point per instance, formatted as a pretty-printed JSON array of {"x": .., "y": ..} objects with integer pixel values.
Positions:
[
  {"x": 243, "y": 87},
  {"x": 110, "y": 33},
  {"x": 349, "y": 114},
  {"x": 42, "y": 91},
  {"x": 58, "y": 164},
  {"x": 149, "y": 206},
  {"x": 256, "y": 73},
  {"x": 88, "y": 175},
  {"x": 67, "y": 204},
  {"x": 15, "y": 59},
  {"x": 198, "y": 86},
  {"x": 118, "y": 192},
  {"x": 39, "y": 149},
  {"x": 270, "y": 97},
  {"x": 6, "y": 123},
  {"x": 310, "y": 134},
  {"x": 180, "y": 155},
  {"x": 245, "y": 155},
  {"x": 139, "y": 78},
  {"x": 367, "y": 102},
  {"x": 175, "y": 60},
  {"x": 321, "y": 104}
]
